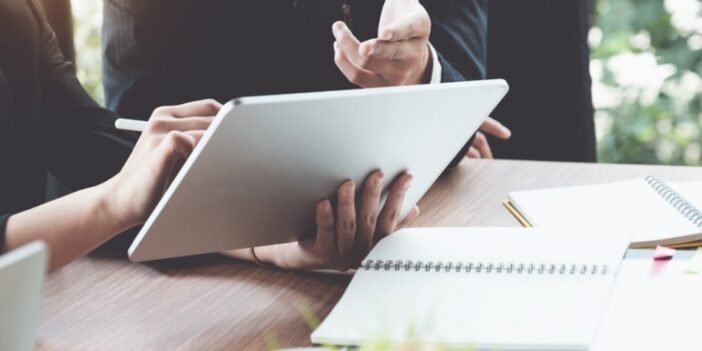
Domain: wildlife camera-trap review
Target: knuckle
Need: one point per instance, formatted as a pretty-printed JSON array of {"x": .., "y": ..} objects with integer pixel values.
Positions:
[
  {"x": 349, "y": 226},
  {"x": 424, "y": 20},
  {"x": 158, "y": 124},
  {"x": 370, "y": 220},
  {"x": 161, "y": 110},
  {"x": 328, "y": 227},
  {"x": 173, "y": 135},
  {"x": 173, "y": 138}
]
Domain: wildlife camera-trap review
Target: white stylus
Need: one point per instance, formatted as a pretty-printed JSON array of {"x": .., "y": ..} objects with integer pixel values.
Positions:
[{"x": 130, "y": 124}]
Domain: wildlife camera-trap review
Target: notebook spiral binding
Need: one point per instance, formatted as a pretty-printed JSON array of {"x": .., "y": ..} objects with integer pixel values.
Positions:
[
  {"x": 486, "y": 267},
  {"x": 685, "y": 208}
]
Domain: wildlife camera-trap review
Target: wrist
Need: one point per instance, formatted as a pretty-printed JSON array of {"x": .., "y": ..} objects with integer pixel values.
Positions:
[
  {"x": 109, "y": 204},
  {"x": 268, "y": 255}
]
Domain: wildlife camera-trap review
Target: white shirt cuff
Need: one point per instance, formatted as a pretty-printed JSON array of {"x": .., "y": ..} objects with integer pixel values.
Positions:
[{"x": 436, "y": 69}]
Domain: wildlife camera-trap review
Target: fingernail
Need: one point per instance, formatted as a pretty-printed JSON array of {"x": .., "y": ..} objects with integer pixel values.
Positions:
[
  {"x": 337, "y": 28},
  {"x": 379, "y": 180},
  {"x": 508, "y": 132},
  {"x": 406, "y": 184},
  {"x": 322, "y": 206},
  {"x": 350, "y": 188}
]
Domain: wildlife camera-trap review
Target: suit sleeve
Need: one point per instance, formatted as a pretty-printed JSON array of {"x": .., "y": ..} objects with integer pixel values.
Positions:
[
  {"x": 83, "y": 148},
  {"x": 459, "y": 34}
]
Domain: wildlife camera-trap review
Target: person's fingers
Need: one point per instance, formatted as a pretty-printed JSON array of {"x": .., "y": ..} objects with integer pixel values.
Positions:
[
  {"x": 388, "y": 217},
  {"x": 473, "y": 153},
  {"x": 173, "y": 149},
  {"x": 496, "y": 129},
  {"x": 180, "y": 124},
  {"x": 347, "y": 42},
  {"x": 196, "y": 134},
  {"x": 325, "y": 239},
  {"x": 345, "y": 221},
  {"x": 482, "y": 145},
  {"x": 416, "y": 25},
  {"x": 207, "y": 107},
  {"x": 392, "y": 50},
  {"x": 411, "y": 217},
  {"x": 368, "y": 215},
  {"x": 355, "y": 74}
]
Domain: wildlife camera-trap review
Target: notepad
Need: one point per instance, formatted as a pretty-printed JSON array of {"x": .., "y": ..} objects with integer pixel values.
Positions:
[
  {"x": 659, "y": 213},
  {"x": 485, "y": 288},
  {"x": 654, "y": 306}
]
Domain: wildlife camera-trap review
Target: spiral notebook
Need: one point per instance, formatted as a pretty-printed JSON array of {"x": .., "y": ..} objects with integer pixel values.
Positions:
[
  {"x": 659, "y": 213},
  {"x": 484, "y": 288}
]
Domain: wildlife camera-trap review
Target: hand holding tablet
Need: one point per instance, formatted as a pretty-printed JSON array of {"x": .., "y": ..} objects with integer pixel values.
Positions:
[
  {"x": 344, "y": 235},
  {"x": 260, "y": 171}
]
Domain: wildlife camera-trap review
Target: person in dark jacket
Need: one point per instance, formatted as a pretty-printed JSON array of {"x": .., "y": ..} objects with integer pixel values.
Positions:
[
  {"x": 49, "y": 124},
  {"x": 168, "y": 51},
  {"x": 540, "y": 47}
]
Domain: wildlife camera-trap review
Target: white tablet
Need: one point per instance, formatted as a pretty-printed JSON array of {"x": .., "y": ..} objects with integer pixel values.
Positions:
[{"x": 265, "y": 162}]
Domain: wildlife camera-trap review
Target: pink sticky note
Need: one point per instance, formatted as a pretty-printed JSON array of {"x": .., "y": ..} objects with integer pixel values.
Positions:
[{"x": 663, "y": 253}]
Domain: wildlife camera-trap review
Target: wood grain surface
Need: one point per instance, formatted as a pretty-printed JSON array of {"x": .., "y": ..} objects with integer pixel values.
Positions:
[{"x": 104, "y": 302}]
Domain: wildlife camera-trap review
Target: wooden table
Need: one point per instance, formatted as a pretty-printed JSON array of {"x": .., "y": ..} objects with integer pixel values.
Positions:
[{"x": 104, "y": 302}]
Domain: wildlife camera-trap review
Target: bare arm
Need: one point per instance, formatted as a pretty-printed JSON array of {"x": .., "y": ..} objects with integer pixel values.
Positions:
[
  {"x": 75, "y": 224},
  {"x": 70, "y": 226}
]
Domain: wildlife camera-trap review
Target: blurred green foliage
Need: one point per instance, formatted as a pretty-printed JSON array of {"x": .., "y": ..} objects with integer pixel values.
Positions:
[
  {"x": 87, "y": 24},
  {"x": 646, "y": 66}
]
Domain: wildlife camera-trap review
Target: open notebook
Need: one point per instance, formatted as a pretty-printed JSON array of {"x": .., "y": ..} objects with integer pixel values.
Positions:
[
  {"x": 485, "y": 288},
  {"x": 658, "y": 213}
]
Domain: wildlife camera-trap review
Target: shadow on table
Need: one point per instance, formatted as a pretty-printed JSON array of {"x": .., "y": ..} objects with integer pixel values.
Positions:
[{"x": 209, "y": 265}]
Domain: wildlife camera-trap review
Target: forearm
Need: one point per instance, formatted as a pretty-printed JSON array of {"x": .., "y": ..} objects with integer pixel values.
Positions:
[{"x": 71, "y": 226}]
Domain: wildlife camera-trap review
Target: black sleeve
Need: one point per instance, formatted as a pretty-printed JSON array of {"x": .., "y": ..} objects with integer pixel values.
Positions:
[
  {"x": 459, "y": 35},
  {"x": 3, "y": 224},
  {"x": 83, "y": 148}
]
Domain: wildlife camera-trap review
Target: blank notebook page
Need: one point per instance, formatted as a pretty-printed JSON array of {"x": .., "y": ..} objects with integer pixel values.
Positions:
[
  {"x": 655, "y": 306},
  {"x": 486, "y": 309},
  {"x": 631, "y": 205}
]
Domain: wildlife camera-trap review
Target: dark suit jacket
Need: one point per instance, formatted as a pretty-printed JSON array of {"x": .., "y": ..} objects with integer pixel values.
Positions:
[
  {"x": 162, "y": 52},
  {"x": 47, "y": 121},
  {"x": 165, "y": 52},
  {"x": 540, "y": 47}
]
